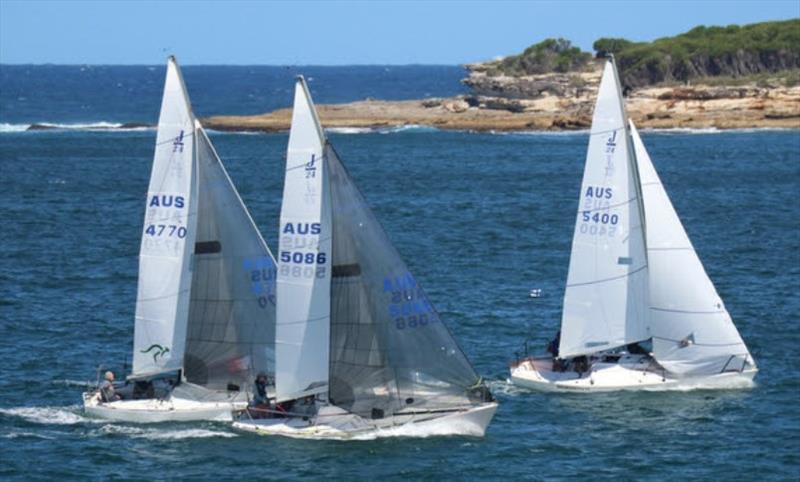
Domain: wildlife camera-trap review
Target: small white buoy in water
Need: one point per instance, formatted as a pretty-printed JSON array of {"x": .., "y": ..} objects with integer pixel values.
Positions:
[{"x": 535, "y": 293}]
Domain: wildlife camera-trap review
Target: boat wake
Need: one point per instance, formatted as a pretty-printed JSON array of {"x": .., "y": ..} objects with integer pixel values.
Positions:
[
  {"x": 505, "y": 388},
  {"x": 430, "y": 429},
  {"x": 734, "y": 383},
  {"x": 49, "y": 415},
  {"x": 163, "y": 434},
  {"x": 72, "y": 416}
]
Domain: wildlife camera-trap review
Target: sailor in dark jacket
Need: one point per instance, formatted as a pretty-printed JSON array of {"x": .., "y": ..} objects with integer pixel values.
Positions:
[{"x": 107, "y": 391}]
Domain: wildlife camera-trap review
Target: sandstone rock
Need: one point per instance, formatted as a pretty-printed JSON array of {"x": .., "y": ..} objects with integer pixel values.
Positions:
[{"x": 456, "y": 105}]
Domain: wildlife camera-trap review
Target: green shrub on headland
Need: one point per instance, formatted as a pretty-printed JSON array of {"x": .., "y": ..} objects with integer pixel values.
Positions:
[
  {"x": 732, "y": 51},
  {"x": 549, "y": 55}
]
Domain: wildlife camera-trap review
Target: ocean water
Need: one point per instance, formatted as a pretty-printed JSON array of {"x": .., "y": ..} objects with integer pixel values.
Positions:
[{"x": 481, "y": 219}]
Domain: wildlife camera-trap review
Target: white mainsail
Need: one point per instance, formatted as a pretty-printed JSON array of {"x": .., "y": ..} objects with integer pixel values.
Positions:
[
  {"x": 692, "y": 331},
  {"x": 605, "y": 303},
  {"x": 231, "y": 328},
  {"x": 162, "y": 300},
  {"x": 302, "y": 336}
]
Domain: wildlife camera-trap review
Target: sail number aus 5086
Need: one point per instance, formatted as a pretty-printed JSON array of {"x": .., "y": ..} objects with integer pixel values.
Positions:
[{"x": 302, "y": 258}]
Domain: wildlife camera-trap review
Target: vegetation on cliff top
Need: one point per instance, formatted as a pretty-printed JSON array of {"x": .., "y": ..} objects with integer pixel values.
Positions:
[
  {"x": 549, "y": 55},
  {"x": 732, "y": 51}
]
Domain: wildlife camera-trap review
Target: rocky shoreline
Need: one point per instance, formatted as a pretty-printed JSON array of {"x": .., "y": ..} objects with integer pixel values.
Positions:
[{"x": 551, "y": 102}]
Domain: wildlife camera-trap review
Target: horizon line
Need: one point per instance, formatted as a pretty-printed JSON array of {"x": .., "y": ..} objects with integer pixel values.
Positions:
[{"x": 182, "y": 64}]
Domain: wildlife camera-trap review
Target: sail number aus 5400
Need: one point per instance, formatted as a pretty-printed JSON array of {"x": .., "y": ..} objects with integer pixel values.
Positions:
[{"x": 604, "y": 218}]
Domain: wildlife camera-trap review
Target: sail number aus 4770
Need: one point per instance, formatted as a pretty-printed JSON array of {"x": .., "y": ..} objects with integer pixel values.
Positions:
[{"x": 169, "y": 230}]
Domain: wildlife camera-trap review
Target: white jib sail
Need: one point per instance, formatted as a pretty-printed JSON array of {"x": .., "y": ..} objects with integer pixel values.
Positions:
[
  {"x": 168, "y": 234},
  {"x": 692, "y": 331},
  {"x": 605, "y": 302},
  {"x": 302, "y": 336}
]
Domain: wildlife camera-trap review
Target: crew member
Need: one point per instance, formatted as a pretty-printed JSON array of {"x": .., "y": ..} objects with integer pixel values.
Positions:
[{"x": 107, "y": 391}]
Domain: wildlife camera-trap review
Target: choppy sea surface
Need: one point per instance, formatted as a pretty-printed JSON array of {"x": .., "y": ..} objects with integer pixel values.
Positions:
[{"x": 481, "y": 219}]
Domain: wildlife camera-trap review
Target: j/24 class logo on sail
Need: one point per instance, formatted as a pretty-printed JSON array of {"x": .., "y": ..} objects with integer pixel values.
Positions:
[
  {"x": 311, "y": 169},
  {"x": 177, "y": 144}
]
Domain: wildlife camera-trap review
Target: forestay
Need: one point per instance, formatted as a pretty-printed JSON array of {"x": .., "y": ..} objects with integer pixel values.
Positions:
[
  {"x": 390, "y": 351},
  {"x": 231, "y": 328},
  {"x": 605, "y": 300},
  {"x": 162, "y": 300},
  {"x": 304, "y": 263},
  {"x": 692, "y": 331}
]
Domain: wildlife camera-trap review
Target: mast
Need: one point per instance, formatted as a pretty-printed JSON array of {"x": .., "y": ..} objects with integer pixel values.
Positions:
[{"x": 632, "y": 163}]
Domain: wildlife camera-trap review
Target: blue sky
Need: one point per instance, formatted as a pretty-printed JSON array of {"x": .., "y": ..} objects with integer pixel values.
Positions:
[{"x": 340, "y": 33}]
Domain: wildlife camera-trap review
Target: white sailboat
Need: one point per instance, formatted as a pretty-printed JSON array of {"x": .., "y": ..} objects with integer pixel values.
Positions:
[
  {"x": 634, "y": 280},
  {"x": 360, "y": 351},
  {"x": 205, "y": 307}
]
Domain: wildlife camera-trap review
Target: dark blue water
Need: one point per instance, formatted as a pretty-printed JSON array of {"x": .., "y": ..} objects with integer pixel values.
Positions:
[
  {"x": 481, "y": 219},
  {"x": 119, "y": 94}
]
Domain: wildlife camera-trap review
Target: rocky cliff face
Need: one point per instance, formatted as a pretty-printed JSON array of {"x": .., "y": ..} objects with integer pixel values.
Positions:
[
  {"x": 566, "y": 85},
  {"x": 637, "y": 73}
]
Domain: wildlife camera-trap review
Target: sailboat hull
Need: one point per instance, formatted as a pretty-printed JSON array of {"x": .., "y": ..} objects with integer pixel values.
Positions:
[
  {"x": 627, "y": 372},
  {"x": 334, "y": 423},
  {"x": 154, "y": 410}
]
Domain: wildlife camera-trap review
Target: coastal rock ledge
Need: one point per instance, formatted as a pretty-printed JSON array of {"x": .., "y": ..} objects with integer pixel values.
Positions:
[{"x": 748, "y": 106}]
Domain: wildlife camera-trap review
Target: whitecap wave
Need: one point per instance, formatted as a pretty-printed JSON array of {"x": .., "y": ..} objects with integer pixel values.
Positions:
[
  {"x": 714, "y": 130},
  {"x": 542, "y": 133},
  {"x": 349, "y": 130},
  {"x": 408, "y": 128},
  {"x": 6, "y": 127},
  {"x": 13, "y": 435},
  {"x": 67, "y": 382},
  {"x": 234, "y": 132},
  {"x": 686, "y": 130},
  {"x": 163, "y": 433},
  {"x": 48, "y": 415},
  {"x": 101, "y": 126}
]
